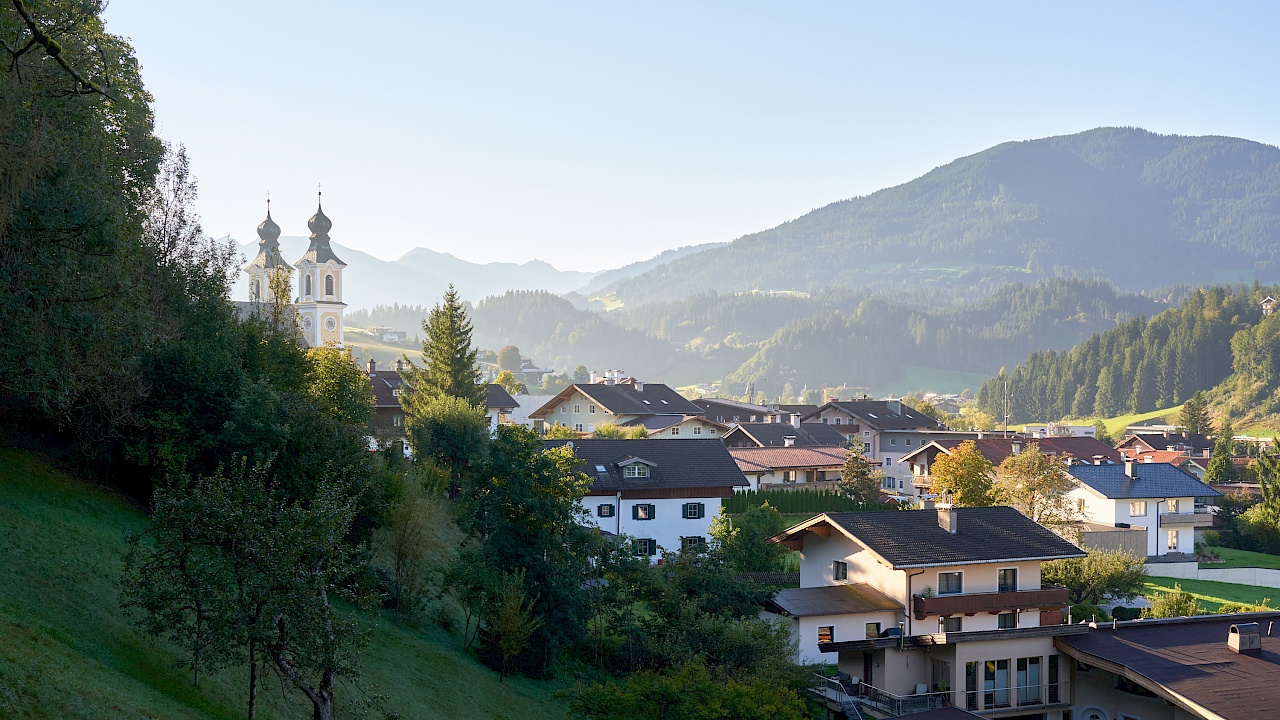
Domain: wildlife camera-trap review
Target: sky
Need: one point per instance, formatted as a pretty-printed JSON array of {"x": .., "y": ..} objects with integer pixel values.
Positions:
[{"x": 592, "y": 134}]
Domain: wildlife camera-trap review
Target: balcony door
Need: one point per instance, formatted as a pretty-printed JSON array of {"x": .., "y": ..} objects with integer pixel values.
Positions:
[
  {"x": 940, "y": 676},
  {"x": 995, "y": 683}
]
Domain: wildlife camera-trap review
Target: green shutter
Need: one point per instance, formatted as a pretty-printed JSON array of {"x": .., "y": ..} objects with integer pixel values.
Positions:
[
  {"x": 635, "y": 512},
  {"x": 684, "y": 510},
  {"x": 702, "y": 510},
  {"x": 652, "y": 511}
]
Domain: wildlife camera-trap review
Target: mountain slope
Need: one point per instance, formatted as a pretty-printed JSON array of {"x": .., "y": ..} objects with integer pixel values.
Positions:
[
  {"x": 69, "y": 651},
  {"x": 1135, "y": 208}
]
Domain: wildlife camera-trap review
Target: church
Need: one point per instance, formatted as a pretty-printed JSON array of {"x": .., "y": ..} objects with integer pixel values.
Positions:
[{"x": 319, "y": 300}]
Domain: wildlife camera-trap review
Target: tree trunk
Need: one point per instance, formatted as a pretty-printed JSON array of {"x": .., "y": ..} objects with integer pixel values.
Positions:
[{"x": 253, "y": 680}]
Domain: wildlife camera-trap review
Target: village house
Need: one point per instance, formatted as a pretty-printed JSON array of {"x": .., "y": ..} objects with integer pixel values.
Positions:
[
  {"x": 1143, "y": 439},
  {"x": 791, "y": 468},
  {"x": 928, "y": 608},
  {"x": 1210, "y": 667},
  {"x": 661, "y": 493},
  {"x": 732, "y": 412},
  {"x": 388, "y": 415},
  {"x": 794, "y": 434},
  {"x": 1071, "y": 449},
  {"x": 1161, "y": 500},
  {"x": 677, "y": 426},
  {"x": 583, "y": 407}
]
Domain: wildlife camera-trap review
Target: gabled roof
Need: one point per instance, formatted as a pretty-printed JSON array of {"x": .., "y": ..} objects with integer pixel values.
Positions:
[
  {"x": 500, "y": 399},
  {"x": 884, "y": 414},
  {"x": 662, "y": 422},
  {"x": 913, "y": 538},
  {"x": 1161, "y": 440},
  {"x": 775, "y": 434},
  {"x": 995, "y": 450},
  {"x": 741, "y": 407},
  {"x": 762, "y": 460},
  {"x": 1152, "y": 480},
  {"x": 386, "y": 382},
  {"x": 675, "y": 463},
  {"x": 833, "y": 600},
  {"x": 625, "y": 399}
]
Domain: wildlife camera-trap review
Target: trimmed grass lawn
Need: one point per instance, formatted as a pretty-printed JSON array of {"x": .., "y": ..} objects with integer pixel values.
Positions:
[
  {"x": 1116, "y": 425},
  {"x": 1212, "y": 594},
  {"x": 67, "y": 650},
  {"x": 1243, "y": 558}
]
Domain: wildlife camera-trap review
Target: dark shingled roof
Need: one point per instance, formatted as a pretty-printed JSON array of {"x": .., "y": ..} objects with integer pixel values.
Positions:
[
  {"x": 834, "y": 600},
  {"x": 662, "y": 422},
  {"x": 1160, "y": 440},
  {"x": 625, "y": 399},
  {"x": 913, "y": 538},
  {"x": 995, "y": 450},
  {"x": 1186, "y": 661},
  {"x": 1154, "y": 480},
  {"x": 675, "y": 463},
  {"x": 774, "y": 434},
  {"x": 499, "y": 398},
  {"x": 881, "y": 415}
]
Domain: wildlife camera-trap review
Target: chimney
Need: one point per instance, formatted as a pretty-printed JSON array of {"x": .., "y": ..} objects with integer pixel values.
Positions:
[
  {"x": 1148, "y": 459},
  {"x": 947, "y": 519},
  {"x": 1015, "y": 448},
  {"x": 373, "y": 366},
  {"x": 927, "y": 502},
  {"x": 1129, "y": 469},
  {"x": 593, "y": 377},
  {"x": 795, "y": 420},
  {"x": 399, "y": 365},
  {"x": 1245, "y": 638},
  {"x": 639, "y": 386},
  {"x": 789, "y": 441},
  {"x": 1097, "y": 459}
]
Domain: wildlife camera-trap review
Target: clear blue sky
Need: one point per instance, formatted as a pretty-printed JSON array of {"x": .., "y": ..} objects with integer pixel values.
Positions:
[{"x": 592, "y": 134}]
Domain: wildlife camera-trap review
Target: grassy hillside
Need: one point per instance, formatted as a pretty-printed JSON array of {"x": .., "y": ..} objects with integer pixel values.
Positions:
[
  {"x": 1210, "y": 594},
  {"x": 69, "y": 651},
  {"x": 1116, "y": 425}
]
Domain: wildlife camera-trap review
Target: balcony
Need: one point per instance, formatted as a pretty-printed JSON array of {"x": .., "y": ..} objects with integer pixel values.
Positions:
[
  {"x": 1048, "y": 597},
  {"x": 1200, "y": 518},
  {"x": 922, "y": 481},
  {"x": 848, "y": 695}
]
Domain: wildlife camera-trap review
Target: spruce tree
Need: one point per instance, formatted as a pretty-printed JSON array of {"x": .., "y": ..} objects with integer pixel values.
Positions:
[
  {"x": 449, "y": 358},
  {"x": 1221, "y": 470},
  {"x": 1194, "y": 417}
]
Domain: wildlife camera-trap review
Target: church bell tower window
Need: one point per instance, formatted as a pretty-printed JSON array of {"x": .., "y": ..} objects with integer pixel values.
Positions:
[{"x": 328, "y": 285}]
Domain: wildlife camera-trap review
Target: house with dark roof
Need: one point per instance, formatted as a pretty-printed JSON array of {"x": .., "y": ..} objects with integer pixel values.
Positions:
[
  {"x": 888, "y": 429},
  {"x": 585, "y": 406},
  {"x": 678, "y": 427},
  {"x": 732, "y": 412},
  {"x": 791, "y": 468},
  {"x": 812, "y": 434},
  {"x": 1140, "y": 440},
  {"x": 388, "y": 415},
  {"x": 1165, "y": 501},
  {"x": 661, "y": 493},
  {"x": 935, "y": 607},
  {"x": 1212, "y": 667},
  {"x": 1072, "y": 450}
]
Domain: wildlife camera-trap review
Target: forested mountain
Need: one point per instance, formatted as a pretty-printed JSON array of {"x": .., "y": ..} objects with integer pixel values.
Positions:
[
  {"x": 1146, "y": 364},
  {"x": 1137, "y": 209}
]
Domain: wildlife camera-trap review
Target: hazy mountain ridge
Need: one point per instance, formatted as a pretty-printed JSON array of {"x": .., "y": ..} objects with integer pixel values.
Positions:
[{"x": 1131, "y": 207}]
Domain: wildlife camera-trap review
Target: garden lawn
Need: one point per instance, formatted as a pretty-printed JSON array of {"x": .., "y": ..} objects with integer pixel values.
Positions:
[
  {"x": 67, "y": 650},
  {"x": 1211, "y": 595},
  {"x": 1243, "y": 558}
]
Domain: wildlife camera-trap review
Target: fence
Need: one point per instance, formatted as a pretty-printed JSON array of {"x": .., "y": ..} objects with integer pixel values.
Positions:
[{"x": 791, "y": 502}]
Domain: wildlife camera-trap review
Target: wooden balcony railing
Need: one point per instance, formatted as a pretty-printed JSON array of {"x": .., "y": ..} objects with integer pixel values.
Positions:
[
  {"x": 1199, "y": 518},
  {"x": 1048, "y": 597}
]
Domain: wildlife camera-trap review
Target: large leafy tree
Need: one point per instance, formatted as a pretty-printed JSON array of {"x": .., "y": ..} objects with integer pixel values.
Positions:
[
  {"x": 1036, "y": 485},
  {"x": 448, "y": 356},
  {"x": 1101, "y": 574},
  {"x": 338, "y": 386},
  {"x": 964, "y": 476},
  {"x": 861, "y": 478},
  {"x": 743, "y": 540}
]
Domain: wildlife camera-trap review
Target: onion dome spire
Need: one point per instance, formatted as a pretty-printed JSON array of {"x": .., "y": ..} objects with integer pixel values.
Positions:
[
  {"x": 319, "y": 250},
  {"x": 268, "y": 244}
]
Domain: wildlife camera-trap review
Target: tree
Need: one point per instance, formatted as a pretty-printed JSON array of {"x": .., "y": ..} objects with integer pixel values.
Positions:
[
  {"x": 1194, "y": 417},
  {"x": 1100, "y": 575},
  {"x": 1174, "y": 603},
  {"x": 744, "y": 540},
  {"x": 509, "y": 382},
  {"x": 1036, "y": 485},
  {"x": 449, "y": 358},
  {"x": 608, "y": 431},
  {"x": 415, "y": 528},
  {"x": 1221, "y": 469},
  {"x": 561, "y": 432},
  {"x": 689, "y": 691},
  {"x": 512, "y": 622},
  {"x": 338, "y": 386},
  {"x": 965, "y": 476},
  {"x": 860, "y": 478},
  {"x": 581, "y": 375},
  {"x": 1101, "y": 432},
  {"x": 509, "y": 358},
  {"x": 450, "y": 432}
]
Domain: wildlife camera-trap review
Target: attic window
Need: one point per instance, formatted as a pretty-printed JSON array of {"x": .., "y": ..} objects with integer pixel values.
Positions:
[
  {"x": 646, "y": 402},
  {"x": 600, "y": 469},
  {"x": 664, "y": 402},
  {"x": 636, "y": 470},
  {"x": 872, "y": 415}
]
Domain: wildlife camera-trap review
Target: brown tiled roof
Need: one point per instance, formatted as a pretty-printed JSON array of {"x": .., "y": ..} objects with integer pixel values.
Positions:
[
  {"x": 1187, "y": 662},
  {"x": 758, "y": 460}
]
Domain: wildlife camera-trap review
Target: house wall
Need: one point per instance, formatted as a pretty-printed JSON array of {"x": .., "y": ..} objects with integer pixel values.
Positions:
[
  {"x": 667, "y": 526},
  {"x": 846, "y": 627},
  {"x": 1112, "y": 512},
  {"x": 819, "y": 553},
  {"x": 982, "y": 578},
  {"x": 691, "y": 429},
  {"x": 589, "y": 415},
  {"x": 1095, "y": 697}
]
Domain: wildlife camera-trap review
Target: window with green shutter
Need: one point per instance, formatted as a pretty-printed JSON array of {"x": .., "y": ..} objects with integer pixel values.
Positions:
[
  {"x": 694, "y": 511},
  {"x": 642, "y": 511},
  {"x": 605, "y": 510},
  {"x": 646, "y": 546}
]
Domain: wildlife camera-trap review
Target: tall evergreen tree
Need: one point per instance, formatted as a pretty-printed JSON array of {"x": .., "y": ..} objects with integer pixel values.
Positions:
[
  {"x": 1194, "y": 417},
  {"x": 1221, "y": 470},
  {"x": 448, "y": 355}
]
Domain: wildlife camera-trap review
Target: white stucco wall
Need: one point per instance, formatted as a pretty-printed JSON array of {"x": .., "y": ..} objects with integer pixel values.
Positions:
[{"x": 667, "y": 526}]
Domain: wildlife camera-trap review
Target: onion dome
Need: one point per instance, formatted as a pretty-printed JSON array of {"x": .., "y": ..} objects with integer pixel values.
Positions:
[
  {"x": 320, "y": 252},
  {"x": 268, "y": 231},
  {"x": 319, "y": 224}
]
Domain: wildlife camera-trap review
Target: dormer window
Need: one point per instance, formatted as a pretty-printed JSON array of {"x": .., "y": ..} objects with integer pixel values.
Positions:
[{"x": 636, "y": 470}]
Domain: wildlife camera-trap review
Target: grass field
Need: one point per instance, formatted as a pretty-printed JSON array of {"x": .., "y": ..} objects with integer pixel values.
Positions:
[
  {"x": 1116, "y": 425},
  {"x": 1243, "y": 558},
  {"x": 366, "y": 346},
  {"x": 1212, "y": 594},
  {"x": 918, "y": 378},
  {"x": 67, "y": 650}
]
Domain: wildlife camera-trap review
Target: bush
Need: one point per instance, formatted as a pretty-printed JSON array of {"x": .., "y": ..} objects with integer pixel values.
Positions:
[
  {"x": 1175, "y": 603},
  {"x": 1085, "y": 611},
  {"x": 1212, "y": 538},
  {"x": 1239, "y": 607}
]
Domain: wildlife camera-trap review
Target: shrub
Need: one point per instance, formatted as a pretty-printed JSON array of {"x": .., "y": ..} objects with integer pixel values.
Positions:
[
  {"x": 1212, "y": 538},
  {"x": 1085, "y": 611},
  {"x": 1174, "y": 603}
]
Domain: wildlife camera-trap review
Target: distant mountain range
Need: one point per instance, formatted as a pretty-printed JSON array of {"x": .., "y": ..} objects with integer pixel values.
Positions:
[
  {"x": 421, "y": 276},
  {"x": 1134, "y": 208}
]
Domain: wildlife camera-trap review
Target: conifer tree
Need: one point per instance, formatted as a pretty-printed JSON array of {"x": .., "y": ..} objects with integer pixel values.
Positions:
[
  {"x": 448, "y": 355},
  {"x": 1194, "y": 417},
  {"x": 1220, "y": 468}
]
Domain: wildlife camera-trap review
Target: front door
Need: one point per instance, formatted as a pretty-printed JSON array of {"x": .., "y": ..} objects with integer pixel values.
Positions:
[{"x": 868, "y": 662}]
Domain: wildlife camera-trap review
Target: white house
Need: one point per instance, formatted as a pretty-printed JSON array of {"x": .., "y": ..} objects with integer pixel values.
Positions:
[
  {"x": 929, "y": 608},
  {"x": 678, "y": 427},
  {"x": 1157, "y": 497},
  {"x": 791, "y": 468},
  {"x": 661, "y": 493}
]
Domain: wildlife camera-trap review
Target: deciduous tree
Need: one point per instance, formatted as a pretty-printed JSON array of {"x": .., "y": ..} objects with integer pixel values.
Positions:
[
  {"x": 1036, "y": 485},
  {"x": 965, "y": 477},
  {"x": 1100, "y": 575}
]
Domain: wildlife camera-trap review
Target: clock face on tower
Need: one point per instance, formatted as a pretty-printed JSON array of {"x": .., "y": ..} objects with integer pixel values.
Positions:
[
  {"x": 330, "y": 324},
  {"x": 306, "y": 323}
]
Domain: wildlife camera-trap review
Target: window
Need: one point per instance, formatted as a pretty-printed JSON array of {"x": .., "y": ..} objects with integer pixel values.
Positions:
[
  {"x": 971, "y": 686},
  {"x": 1138, "y": 508},
  {"x": 693, "y": 510},
  {"x": 1173, "y": 505},
  {"x": 1028, "y": 681},
  {"x": 591, "y": 409},
  {"x": 893, "y": 441},
  {"x": 636, "y": 470},
  {"x": 826, "y": 633},
  {"x": 605, "y": 510},
  {"x": 642, "y": 511},
  {"x": 888, "y": 461},
  {"x": 307, "y": 285},
  {"x": 1173, "y": 541},
  {"x": 577, "y": 427},
  {"x": 693, "y": 541},
  {"x": 1007, "y": 579},
  {"x": 564, "y": 409},
  {"x": 996, "y": 683},
  {"x": 577, "y": 408},
  {"x": 837, "y": 421},
  {"x": 865, "y": 433},
  {"x": 907, "y": 442},
  {"x": 888, "y": 483},
  {"x": 873, "y": 630},
  {"x": 735, "y": 418},
  {"x": 839, "y": 570},
  {"x": 950, "y": 583},
  {"x": 646, "y": 546},
  {"x": 328, "y": 284},
  {"x": 1053, "y": 678},
  {"x": 951, "y": 624},
  {"x": 1007, "y": 621},
  {"x": 1080, "y": 504},
  {"x": 824, "y": 421},
  {"x": 397, "y": 420},
  {"x": 788, "y": 476},
  {"x": 675, "y": 430},
  {"x": 697, "y": 429}
]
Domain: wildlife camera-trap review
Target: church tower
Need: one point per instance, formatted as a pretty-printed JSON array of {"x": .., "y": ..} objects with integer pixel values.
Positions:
[
  {"x": 268, "y": 263},
  {"x": 320, "y": 303}
]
